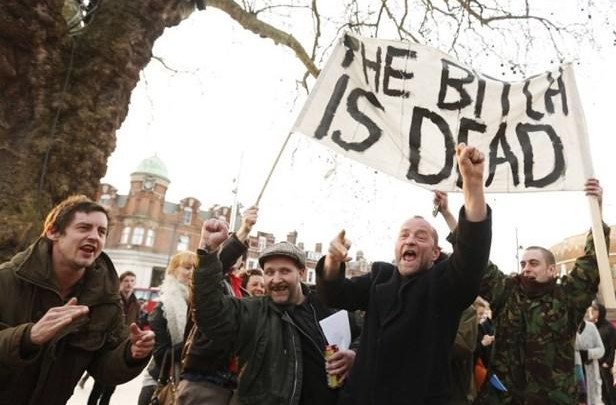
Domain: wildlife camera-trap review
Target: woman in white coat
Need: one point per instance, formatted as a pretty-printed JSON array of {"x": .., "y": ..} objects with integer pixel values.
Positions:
[
  {"x": 588, "y": 350},
  {"x": 168, "y": 319}
]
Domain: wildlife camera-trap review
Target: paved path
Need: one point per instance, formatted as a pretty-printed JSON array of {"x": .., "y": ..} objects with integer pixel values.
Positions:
[{"x": 125, "y": 394}]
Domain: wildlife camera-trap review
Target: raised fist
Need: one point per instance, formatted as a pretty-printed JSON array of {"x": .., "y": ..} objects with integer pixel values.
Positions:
[
  {"x": 213, "y": 233},
  {"x": 470, "y": 162}
]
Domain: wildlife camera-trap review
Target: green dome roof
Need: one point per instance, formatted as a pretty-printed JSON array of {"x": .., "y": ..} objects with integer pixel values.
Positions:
[{"x": 153, "y": 166}]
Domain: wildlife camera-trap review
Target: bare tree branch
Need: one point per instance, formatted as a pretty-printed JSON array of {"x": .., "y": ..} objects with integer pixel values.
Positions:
[
  {"x": 466, "y": 4},
  {"x": 378, "y": 19},
  {"x": 273, "y": 7},
  {"x": 317, "y": 29},
  {"x": 315, "y": 43},
  {"x": 405, "y": 14},
  {"x": 171, "y": 69},
  {"x": 399, "y": 27},
  {"x": 250, "y": 22}
]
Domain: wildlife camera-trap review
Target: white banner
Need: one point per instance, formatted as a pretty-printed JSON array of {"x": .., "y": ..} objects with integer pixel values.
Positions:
[{"x": 401, "y": 108}]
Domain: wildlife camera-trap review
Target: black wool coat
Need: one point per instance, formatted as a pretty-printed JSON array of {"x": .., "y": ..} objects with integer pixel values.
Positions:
[{"x": 410, "y": 323}]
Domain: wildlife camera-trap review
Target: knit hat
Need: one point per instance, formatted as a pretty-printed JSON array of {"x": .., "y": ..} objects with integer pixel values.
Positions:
[{"x": 283, "y": 249}]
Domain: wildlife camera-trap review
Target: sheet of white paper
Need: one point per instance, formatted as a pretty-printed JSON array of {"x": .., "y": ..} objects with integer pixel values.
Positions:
[{"x": 337, "y": 329}]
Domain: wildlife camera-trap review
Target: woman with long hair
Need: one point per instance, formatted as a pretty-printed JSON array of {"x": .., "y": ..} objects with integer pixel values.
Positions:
[{"x": 168, "y": 319}]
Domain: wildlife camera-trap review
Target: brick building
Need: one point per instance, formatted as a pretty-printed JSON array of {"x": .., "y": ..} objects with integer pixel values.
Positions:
[
  {"x": 572, "y": 247},
  {"x": 146, "y": 230},
  {"x": 359, "y": 266}
]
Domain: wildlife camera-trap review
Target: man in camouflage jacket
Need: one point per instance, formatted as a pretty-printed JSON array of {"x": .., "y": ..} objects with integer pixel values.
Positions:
[{"x": 536, "y": 320}]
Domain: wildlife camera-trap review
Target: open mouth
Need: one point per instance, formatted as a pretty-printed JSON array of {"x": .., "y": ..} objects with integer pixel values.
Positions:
[
  {"x": 279, "y": 289},
  {"x": 88, "y": 249},
  {"x": 409, "y": 255}
]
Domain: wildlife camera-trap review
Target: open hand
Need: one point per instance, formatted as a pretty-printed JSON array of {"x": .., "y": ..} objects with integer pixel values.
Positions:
[{"x": 55, "y": 320}]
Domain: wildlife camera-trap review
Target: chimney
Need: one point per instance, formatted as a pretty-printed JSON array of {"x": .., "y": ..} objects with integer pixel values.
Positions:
[
  {"x": 318, "y": 247},
  {"x": 292, "y": 237}
]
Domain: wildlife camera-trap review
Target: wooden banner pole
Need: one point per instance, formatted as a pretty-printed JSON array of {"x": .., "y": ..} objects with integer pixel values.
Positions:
[
  {"x": 284, "y": 145},
  {"x": 606, "y": 284}
]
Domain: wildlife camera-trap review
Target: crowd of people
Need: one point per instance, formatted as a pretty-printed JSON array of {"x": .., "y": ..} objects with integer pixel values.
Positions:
[{"x": 428, "y": 328}]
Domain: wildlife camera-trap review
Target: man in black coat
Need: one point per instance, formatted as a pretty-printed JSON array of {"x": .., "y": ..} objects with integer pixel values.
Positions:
[{"x": 413, "y": 308}]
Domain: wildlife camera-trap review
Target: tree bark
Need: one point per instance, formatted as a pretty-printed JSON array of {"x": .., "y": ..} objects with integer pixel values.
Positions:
[
  {"x": 63, "y": 98},
  {"x": 63, "y": 94}
]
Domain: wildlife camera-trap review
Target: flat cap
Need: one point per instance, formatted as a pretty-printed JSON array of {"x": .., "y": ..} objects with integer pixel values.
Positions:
[{"x": 283, "y": 249}]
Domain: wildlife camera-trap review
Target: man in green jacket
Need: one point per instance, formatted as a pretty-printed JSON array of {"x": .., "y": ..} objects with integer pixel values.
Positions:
[
  {"x": 60, "y": 312},
  {"x": 278, "y": 339},
  {"x": 536, "y": 318}
]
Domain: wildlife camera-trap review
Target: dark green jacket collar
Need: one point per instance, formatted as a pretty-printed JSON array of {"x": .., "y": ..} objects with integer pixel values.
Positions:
[{"x": 99, "y": 283}]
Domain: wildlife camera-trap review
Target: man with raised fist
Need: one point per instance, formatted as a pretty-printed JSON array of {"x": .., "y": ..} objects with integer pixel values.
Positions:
[
  {"x": 413, "y": 307},
  {"x": 277, "y": 337}
]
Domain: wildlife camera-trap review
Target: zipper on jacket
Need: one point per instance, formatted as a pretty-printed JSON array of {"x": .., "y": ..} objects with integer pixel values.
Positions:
[
  {"x": 316, "y": 321},
  {"x": 290, "y": 320},
  {"x": 295, "y": 364},
  {"x": 287, "y": 318}
]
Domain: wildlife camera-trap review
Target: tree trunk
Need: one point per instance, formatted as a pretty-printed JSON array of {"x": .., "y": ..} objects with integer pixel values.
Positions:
[{"x": 63, "y": 98}]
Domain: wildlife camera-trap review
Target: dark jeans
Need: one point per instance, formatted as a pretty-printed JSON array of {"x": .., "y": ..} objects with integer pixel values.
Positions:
[
  {"x": 607, "y": 390},
  {"x": 101, "y": 391}
]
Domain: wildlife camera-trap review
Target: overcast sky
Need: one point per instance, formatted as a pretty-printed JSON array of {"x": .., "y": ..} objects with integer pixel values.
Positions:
[{"x": 230, "y": 114}]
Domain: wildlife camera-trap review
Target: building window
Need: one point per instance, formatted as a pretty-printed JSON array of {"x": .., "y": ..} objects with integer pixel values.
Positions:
[
  {"x": 105, "y": 199},
  {"x": 310, "y": 277},
  {"x": 252, "y": 264},
  {"x": 125, "y": 235},
  {"x": 314, "y": 256},
  {"x": 183, "y": 242},
  {"x": 187, "y": 219},
  {"x": 262, "y": 243},
  {"x": 137, "y": 238},
  {"x": 149, "y": 238}
]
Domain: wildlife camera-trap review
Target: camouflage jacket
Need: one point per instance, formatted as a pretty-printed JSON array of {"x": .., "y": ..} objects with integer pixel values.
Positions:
[
  {"x": 533, "y": 352},
  {"x": 462, "y": 382}
]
